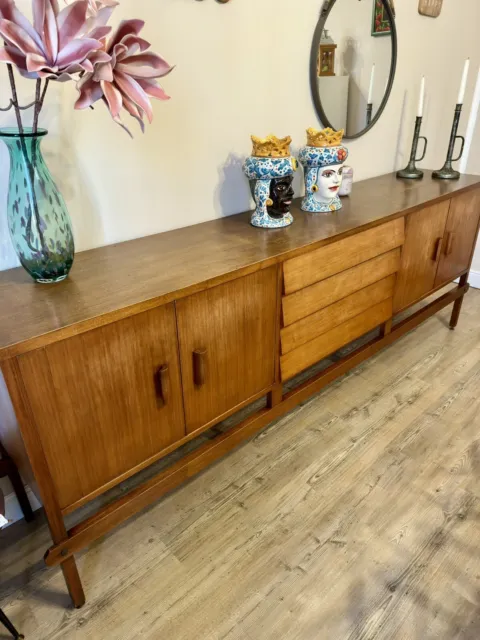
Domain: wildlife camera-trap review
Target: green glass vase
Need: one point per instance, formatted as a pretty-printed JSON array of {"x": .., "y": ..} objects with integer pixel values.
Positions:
[{"x": 38, "y": 219}]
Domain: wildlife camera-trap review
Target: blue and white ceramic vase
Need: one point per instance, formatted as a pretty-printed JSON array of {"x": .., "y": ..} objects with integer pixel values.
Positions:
[
  {"x": 270, "y": 170},
  {"x": 323, "y": 159}
]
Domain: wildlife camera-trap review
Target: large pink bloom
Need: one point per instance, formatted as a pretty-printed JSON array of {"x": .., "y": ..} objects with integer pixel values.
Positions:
[
  {"x": 57, "y": 45},
  {"x": 128, "y": 80}
]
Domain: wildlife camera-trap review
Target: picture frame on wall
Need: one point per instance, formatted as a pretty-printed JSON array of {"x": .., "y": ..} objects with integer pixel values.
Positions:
[{"x": 381, "y": 24}]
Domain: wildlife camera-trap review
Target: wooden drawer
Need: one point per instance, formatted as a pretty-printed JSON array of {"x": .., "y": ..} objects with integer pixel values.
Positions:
[
  {"x": 318, "y": 296},
  {"x": 325, "y": 262},
  {"x": 326, "y": 344},
  {"x": 327, "y": 319}
]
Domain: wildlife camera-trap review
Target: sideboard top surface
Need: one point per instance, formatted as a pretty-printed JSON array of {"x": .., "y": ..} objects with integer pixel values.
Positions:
[{"x": 113, "y": 282}]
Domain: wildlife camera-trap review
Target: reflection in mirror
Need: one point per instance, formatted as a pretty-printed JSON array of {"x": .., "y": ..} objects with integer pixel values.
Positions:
[{"x": 355, "y": 43}]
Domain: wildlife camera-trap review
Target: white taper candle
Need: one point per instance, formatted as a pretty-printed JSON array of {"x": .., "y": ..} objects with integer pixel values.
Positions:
[
  {"x": 372, "y": 83},
  {"x": 421, "y": 100},
  {"x": 463, "y": 85},
  {"x": 472, "y": 121}
]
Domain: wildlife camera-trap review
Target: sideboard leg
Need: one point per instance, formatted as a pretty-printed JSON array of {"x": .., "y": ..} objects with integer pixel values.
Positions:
[
  {"x": 275, "y": 396},
  {"x": 457, "y": 307},
  {"x": 74, "y": 584}
]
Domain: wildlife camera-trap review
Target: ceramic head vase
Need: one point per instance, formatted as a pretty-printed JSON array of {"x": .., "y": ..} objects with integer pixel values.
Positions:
[
  {"x": 270, "y": 169},
  {"x": 323, "y": 160}
]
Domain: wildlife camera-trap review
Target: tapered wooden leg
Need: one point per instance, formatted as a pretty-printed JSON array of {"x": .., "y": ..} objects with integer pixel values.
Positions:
[
  {"x": 457, "y": 307},
  {"x": 74, "y": 585}
]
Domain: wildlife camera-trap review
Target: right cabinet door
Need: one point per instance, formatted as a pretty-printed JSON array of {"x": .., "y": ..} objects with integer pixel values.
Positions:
[
  {"x": 460, "y": 236},
  {"x": 424, "y": 231},
  {"x": 227, "y": 346}
]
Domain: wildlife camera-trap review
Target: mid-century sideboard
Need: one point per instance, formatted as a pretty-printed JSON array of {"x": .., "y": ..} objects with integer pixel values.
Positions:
[{"x": 151, "y": 342}]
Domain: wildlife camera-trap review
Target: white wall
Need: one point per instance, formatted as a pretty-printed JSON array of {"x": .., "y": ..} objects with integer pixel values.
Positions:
[{"x": 242, "y": 68}]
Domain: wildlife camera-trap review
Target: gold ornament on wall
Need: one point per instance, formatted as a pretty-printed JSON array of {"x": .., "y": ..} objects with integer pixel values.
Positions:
[{"x": 431, "y": 8}]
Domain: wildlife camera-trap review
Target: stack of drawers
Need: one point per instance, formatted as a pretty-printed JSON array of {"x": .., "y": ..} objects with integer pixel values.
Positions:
[{"x": 337, "y": 293}]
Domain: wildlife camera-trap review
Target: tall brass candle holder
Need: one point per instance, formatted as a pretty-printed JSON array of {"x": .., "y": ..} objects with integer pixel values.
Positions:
[
  {"x": 447, "y": 172},
  {"x": 411, "y": 172}
]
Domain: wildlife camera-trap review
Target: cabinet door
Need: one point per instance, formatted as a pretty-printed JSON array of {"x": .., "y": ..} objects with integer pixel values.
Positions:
[
  {"x": 459, "y": 240},
  {"x": 424, "y": 232},
  {"x": 227, "y": 346},
  {"x": 106, "y": 401}
]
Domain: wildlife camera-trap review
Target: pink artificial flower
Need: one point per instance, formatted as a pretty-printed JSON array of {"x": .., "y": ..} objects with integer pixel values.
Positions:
[
  {"x": 57, "y": 45},
  {"x": 95, "y": 6},
  {"x": 128, "y": 79}
]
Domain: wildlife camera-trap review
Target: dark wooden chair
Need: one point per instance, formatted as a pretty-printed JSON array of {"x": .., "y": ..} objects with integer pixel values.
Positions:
[{"x": 9, "y": 469}]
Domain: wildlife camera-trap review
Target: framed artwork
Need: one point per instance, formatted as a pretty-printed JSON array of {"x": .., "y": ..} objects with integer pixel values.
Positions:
[
  {"x": 381, "y": 24},
  {"x": 431, "y": 8}
]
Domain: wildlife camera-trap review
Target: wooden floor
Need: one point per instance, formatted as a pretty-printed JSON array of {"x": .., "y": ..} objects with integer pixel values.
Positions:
[{"x": 356, "y": 517}]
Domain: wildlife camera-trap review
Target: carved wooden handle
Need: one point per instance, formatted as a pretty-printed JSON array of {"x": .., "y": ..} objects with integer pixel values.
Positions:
[
  {"x": 199, "y": 366},
  {"x": 163, "y": 385},
  {"x": 449, "y": 247},
  {"x": 438, "y": 250}
]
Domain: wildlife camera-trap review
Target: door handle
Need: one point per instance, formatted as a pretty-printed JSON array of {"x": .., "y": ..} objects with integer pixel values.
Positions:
[
  {"x": 162, "y": 385},
  {"x": 449, "y": 246},
  {"x": 199, "y": 366},
  {"x": 438, "y": 250}
]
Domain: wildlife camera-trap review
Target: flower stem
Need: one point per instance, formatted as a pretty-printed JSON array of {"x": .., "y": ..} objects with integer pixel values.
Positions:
[
  {"x": 13, "y": 87},
  {"x": 38, "y": 106},
  {"x": 30, "y": 166}
]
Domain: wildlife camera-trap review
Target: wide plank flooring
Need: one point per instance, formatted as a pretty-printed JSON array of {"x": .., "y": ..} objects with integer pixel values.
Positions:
[{"x": 355, "y": 517}]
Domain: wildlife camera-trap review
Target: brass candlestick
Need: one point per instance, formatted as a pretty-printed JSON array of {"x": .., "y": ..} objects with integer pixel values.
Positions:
[
  {"x": 447, "y": 172},
  {"x": 411, "y": 172},
  {"x": 369, "y": 113}
]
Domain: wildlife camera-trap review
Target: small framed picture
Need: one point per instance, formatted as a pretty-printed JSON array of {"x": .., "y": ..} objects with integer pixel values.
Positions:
[{"x": 381, "y": 24}]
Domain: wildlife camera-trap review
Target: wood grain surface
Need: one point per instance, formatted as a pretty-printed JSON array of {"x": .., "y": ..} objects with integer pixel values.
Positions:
[
  {"x": 303, "y": 303},
  {"x": 326, "y": 319},
  {"x": 460, "y": 237},
  {"x": 308, "y": 354},
  {"x": 325, "y": 262},
  {"x": 358, "y": 514},
  {"x": 117, "y": 281},
  {"x": 421, "y": 254},
  {"x": 99, "y": 409},
  {"x": 233, "y": 326}
]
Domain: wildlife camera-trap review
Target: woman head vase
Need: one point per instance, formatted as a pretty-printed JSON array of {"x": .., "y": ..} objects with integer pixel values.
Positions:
[
  {"x": 270, "y": 170},
  {"x": 323, "y": 159}
]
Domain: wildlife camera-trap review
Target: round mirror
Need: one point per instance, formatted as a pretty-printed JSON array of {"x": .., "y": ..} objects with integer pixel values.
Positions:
[{"x": 353, "y": 63}]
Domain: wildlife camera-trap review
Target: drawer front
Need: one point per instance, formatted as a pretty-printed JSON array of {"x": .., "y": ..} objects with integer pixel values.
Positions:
[
  {"x": 318, "y": 296},
  {"x": 318, "y": 323},
  {"x": 334, "y": 258},
  {"x": 312, "y": 352}
]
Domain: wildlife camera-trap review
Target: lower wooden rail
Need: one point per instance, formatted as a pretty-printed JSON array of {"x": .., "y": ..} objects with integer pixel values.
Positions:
[{"x": 106, "y": 519}]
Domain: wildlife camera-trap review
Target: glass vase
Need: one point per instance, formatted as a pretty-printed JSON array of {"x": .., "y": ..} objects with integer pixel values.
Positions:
[{"x": 38, "y": 219}]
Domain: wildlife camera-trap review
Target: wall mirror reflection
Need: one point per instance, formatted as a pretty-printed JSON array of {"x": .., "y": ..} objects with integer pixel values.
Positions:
[{"x": 353, "y": 62}]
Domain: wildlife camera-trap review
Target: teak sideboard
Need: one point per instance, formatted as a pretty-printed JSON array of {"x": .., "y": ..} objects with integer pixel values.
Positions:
[{"x": 152, "y": 342}]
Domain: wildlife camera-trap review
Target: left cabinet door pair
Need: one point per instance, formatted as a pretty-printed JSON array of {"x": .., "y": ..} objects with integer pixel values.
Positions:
[{"x": 107, "y": 401}]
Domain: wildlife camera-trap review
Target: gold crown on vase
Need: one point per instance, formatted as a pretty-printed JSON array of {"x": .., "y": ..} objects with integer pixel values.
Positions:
[
  {"x": 325, "y": 138},
  {"x": 271, "y": 147}
]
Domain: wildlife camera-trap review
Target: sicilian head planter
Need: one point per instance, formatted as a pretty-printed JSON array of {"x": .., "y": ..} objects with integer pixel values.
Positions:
[
  {"x": 323, "y": 159},
  {"x": 69, "y": 43},
  {"x": 270, "y": 170}
]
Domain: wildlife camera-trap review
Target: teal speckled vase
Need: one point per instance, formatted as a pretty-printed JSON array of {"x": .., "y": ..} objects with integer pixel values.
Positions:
[{"x": 38, "y": 219}]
